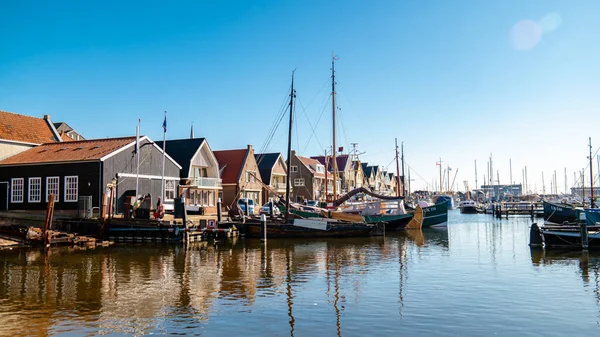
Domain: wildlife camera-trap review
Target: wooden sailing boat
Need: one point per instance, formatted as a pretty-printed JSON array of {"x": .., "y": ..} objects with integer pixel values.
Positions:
[{"x": 292, "y": 226}]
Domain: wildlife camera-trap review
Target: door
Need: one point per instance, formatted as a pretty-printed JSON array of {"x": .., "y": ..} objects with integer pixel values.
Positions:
[{"x": 3, "y": 196}]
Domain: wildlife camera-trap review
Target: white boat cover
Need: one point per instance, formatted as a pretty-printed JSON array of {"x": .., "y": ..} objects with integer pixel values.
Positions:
[{"x": 313, "y": 224}]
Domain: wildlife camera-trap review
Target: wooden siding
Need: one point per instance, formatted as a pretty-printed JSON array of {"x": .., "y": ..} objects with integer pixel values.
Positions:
[
  {"x": 150, "y": 164},
  {"x": 88, "y": 183}
]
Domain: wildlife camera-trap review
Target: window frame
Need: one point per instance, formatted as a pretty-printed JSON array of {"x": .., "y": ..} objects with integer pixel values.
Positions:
[
  {"x": 167, "y": 190},
  {"x": 294, "y": 168},
  {"x": 12, "y": 190},
  {"x": 57, "y": 194},
  {"x": 39, "y": 189},
  {"x": 66, "y": 189},
  {"x": 299, "y": 182}
]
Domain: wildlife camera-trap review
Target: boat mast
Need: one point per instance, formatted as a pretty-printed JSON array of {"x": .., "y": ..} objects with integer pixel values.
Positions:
[
  {"x": 398, "y": 172},
  {"x": 591, "y": 177},
  {"x": 289, "y": 152},
  {"x": 402, "y": 159},
  {"x": 334, "y": 149},
  {"x": 440, "y": 175},
  {"x": 475, "y": 173}
]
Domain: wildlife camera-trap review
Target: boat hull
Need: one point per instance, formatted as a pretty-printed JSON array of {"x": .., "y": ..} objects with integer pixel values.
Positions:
[
  {"x": 468, "y": 210},
  {"x": 436, "y": 215},
  {"x": 254, "y": 229},
  {"x": 557, "y": 213},
  {"x": 568, "y": 238},
  {"x": 391, "y": 222}
]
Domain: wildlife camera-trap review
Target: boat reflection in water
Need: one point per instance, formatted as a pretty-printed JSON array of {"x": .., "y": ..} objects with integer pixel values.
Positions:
[{"x": 214, "y": 288}]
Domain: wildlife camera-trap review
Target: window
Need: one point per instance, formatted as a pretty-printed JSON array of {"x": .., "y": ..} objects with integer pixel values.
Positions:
[
  {"x": 35, "y": 190},
  {"x": 204, "y": 198},
  {"x": 320, "y": 169},
  {"x": 294, "y": 168},
  {"x": 52, "y": 187},
  {"x": 250, "y": 178},
  {"x": 169, "y": 189},
  {"x": 211, "y": 198},
  {"x": 299, "y": 182},
  {"x": 71, "y": 188},
  {"x": 16, "y": 190}
]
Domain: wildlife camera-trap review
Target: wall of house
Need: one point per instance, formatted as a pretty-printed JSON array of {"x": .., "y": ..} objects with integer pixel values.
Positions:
[
  {"x": 253, "y": 184},
  {"x": 8, "y": 149},
  {"x": 150, "y": 165},
  {"x": 230, "y": 193},
  {"x": 88, "y": 183},
  {"x": 301, "y": 192}
]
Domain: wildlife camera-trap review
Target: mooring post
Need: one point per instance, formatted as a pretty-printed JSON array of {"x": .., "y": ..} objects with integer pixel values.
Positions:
[
  {"x": 186, "y": 233},
  {"x": 271, "y": 208},
  {"x": 532, "y": 211},
  {"x": 584, "y": 231},
  {"x": 263, "y": 222},
  {"x": 48, "y": 220},
  {"x": 219, "y": 214},
  {"x": 246, "y": 210},
  {"x": 535, "y": 237}
]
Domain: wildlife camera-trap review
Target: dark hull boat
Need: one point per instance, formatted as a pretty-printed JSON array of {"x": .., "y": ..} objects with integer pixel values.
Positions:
[
  {"x": 391, "y": 222},
  {"x": 559, "y": 213},
  {"x": 436, "y": 215},
  {"x": 564, "y": 237},
  {"x": 304, "y": 228}
]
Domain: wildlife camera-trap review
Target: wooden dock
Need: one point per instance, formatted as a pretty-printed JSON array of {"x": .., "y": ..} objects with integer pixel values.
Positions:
[{"x": 506, "y": 209}]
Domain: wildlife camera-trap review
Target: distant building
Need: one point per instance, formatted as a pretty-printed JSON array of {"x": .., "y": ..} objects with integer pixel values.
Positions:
[
  {"x": 19, "y": 133},
  {"x": 64, "y": 129},
  {"x": 497, "y": 192},
  {"x": 588, "y": 191}
]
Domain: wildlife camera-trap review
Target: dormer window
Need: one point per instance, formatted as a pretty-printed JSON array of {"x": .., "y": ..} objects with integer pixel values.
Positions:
[{"x": 320, "y": 169}]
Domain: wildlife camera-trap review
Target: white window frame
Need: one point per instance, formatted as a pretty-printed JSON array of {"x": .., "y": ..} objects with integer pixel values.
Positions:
[
  {"x": 168, "y": 189},
  {"x": 298, "y": 182},
  {"x": 294, "y": 168},
  {"x": 55, "y": 191},
  {"x": 320, "y": 169},
  {"x": 13, "y": 188},
  {"x": 66, "y": 188},
  {"x": 37, "y": 182}
]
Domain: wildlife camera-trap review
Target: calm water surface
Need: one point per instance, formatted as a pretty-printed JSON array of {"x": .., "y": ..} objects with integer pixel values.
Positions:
[{"x": 478, "y": 277}]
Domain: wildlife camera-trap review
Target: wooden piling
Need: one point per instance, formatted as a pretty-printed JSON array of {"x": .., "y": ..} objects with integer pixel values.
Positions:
[{"x": 48, "y": 219}]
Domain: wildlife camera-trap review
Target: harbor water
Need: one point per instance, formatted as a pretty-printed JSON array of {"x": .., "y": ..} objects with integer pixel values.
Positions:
[{"x": 477, "y": 277}]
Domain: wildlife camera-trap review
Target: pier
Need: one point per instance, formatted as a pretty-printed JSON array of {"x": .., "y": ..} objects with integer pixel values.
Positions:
[{"x": 506, "y": 209}]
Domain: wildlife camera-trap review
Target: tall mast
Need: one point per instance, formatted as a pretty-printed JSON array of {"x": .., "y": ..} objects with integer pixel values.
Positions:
[
  {"x": 402, "y": 158},
  {"x": 289, "y": 152},
  {"x": 510, "y": 168},
  {"x": 398, "y": 172},
  {"x": 591, "y": 177},
  {"x": 334, "y": 149},
  {"x": 475, "y": 173},
  {"x": 440, "y": 175}
]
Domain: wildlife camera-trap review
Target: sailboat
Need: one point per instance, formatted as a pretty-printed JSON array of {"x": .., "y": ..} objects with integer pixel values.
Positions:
[{"x": 292, "y": 226}]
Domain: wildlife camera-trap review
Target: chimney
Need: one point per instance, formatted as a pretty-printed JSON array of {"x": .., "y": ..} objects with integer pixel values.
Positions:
[
  {"x": 249, "y": 147},
  {"x": 293, "y": 152},
  {"x": 52, "y": 128}
]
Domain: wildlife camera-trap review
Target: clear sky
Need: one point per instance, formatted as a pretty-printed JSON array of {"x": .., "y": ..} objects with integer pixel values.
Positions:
[{"x": 455, "y": 80}]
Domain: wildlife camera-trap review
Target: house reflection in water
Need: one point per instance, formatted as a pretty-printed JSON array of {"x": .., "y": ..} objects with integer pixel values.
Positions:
[{"x": 171, "y": 289}]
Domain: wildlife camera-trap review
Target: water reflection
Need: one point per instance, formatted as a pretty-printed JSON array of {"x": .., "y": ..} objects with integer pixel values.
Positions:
[{"x": 137, "y": 289}]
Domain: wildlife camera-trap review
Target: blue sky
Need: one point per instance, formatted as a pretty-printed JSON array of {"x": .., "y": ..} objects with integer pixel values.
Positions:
[{"x": 452, "y": 79}]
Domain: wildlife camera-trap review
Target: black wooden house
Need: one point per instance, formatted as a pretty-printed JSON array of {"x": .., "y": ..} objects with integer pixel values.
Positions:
[{"x": 78, "y": 172}]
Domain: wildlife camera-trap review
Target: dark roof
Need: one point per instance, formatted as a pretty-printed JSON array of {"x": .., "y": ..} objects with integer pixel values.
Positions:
[
  {"x": 367, "y": 169},
  {"x": 341, "y": 160},
  {"x": 182, "y": 151},
  {"x": 265, "y": 162},
  {"x": 230, "y": 163},
  {"x": 84, "y": 150}
]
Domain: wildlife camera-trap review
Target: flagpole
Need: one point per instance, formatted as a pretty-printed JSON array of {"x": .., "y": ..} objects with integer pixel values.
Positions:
[
  {"x": 137, "y": 154},
  {"x": 162, "y": 193}
]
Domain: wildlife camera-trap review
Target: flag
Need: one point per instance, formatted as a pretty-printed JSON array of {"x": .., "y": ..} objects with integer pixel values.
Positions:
[
  {"x": 164, "y": 125},
  {"x": 437, "y": 164}
]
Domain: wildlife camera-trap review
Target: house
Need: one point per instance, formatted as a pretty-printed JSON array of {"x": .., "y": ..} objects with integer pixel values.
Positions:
[
  {"x": 273, "y": 173},
  {"x": 240, "y": 176},
  {"x": 344, "y": 171},
  {"x": 78, "y": 172},
  {"x": 19, "y": 133},
  {"x": 64, "y": 129},
  {"x": 378, "y": 178},
  {"x": 200, "y": 179},
  {"x": 308, "y": 179},
  {"x": 369, "y": 176}
]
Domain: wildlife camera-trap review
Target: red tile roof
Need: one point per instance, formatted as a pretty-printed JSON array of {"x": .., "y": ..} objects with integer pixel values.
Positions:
[
  {"x": 66, "y": 138},
  {"x": 84, "y": 150},
  {"x": 231, "y": 162},
  {"x": 25, "y": 129}
]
